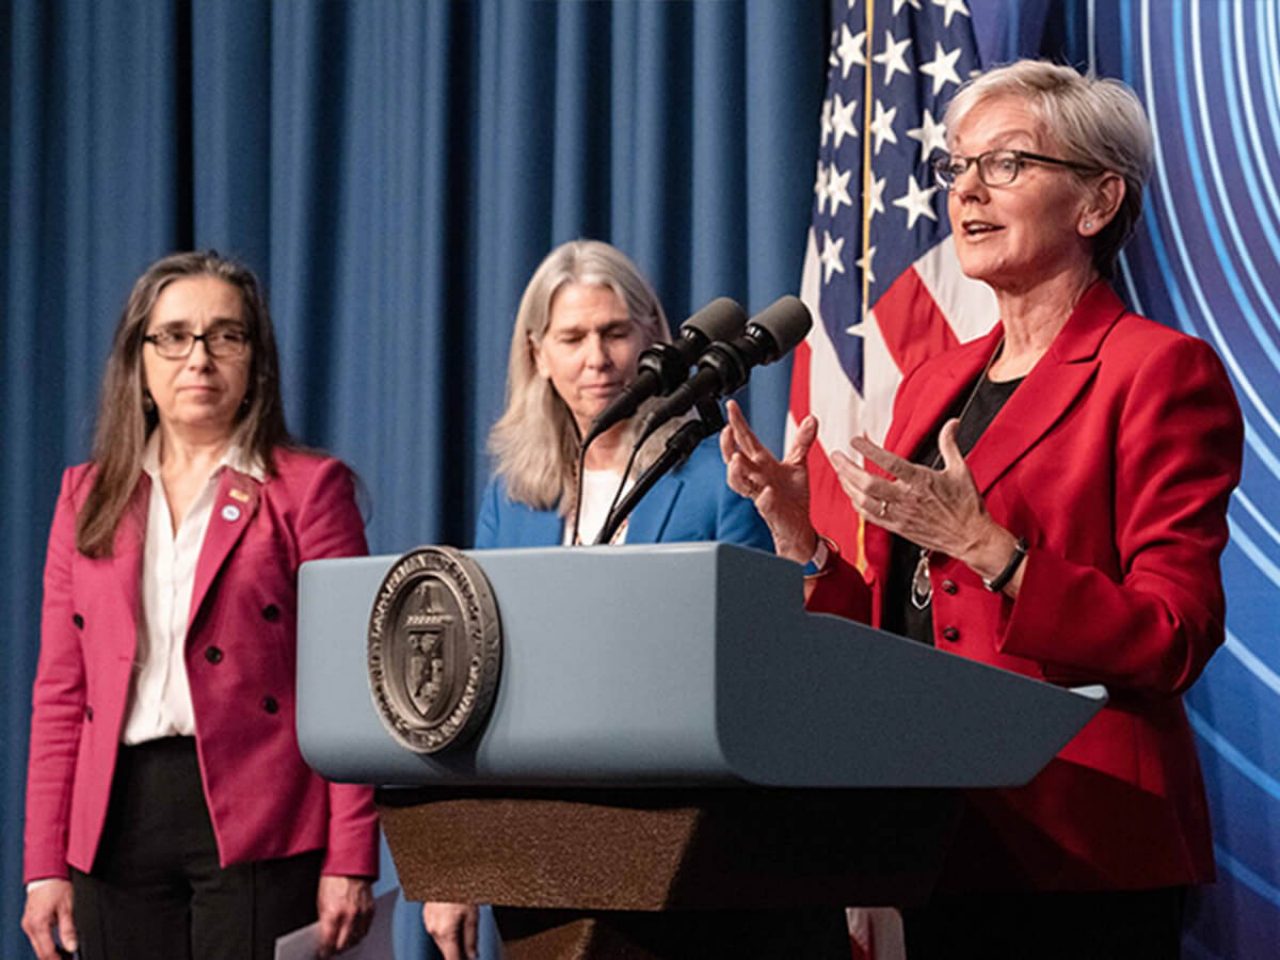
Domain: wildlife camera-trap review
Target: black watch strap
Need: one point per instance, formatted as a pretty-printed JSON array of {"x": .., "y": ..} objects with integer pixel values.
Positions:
[{"x": 1001, "y": 579}]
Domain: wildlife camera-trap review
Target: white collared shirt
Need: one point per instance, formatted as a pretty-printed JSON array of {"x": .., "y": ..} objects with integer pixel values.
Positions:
[{"x": 159, "y": 694}]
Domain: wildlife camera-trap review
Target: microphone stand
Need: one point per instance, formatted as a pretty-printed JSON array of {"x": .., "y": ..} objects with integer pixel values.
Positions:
[{"x": 681, "y": 444}]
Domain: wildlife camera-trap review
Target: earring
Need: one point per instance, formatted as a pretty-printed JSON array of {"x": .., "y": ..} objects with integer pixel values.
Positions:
[
  {"x": 148, "y": 401},
  {"x": 1088, "y": 224}
]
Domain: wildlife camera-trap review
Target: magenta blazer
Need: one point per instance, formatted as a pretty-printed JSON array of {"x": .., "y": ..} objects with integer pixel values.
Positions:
[
  {"x": 1115, "y": 459},
  {"x": 263, "y": 799}
]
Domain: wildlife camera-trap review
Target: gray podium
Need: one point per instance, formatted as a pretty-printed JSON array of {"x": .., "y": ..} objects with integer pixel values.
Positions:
[{"x": 680, "y": 761}]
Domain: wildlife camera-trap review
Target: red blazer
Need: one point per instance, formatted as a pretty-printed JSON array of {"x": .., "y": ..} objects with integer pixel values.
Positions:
[
  {"x": 241, "y": 650},
  {"x": 1115, "y": 459}
]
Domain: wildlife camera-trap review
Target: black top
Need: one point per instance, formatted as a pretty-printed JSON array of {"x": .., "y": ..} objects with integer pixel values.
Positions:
[{"x": 900, "y": 615}]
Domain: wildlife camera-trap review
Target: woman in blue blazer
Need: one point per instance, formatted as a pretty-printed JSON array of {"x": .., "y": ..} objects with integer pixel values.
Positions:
[
  {"x": 689, "y": 504},
  {"x": 584, "y": 319}
]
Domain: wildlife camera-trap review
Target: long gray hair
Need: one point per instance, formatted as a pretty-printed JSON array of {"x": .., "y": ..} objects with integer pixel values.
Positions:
[{"x": 535, "y": 441}]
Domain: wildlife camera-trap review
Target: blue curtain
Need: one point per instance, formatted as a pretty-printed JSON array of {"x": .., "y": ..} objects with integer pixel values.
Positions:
[{"x": 394, "y": 170}]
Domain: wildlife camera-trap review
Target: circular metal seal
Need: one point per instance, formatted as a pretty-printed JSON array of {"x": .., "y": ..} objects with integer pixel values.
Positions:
[{"x": 435, "y": 649}]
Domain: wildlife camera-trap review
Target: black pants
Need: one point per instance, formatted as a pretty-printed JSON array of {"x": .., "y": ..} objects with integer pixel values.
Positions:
[
  {"x": 157, "y": 892},
  {"x": 1112, "y": 925}
]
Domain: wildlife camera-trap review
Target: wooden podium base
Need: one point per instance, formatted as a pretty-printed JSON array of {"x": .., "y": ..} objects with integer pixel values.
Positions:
[{"x": 669, "y": 874}]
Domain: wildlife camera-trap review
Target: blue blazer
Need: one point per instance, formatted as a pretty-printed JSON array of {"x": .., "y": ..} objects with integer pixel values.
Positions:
[{"x": 691, "y": 503}]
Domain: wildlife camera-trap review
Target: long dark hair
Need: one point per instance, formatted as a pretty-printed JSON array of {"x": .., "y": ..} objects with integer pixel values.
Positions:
[{"x": 124, "y": 422}]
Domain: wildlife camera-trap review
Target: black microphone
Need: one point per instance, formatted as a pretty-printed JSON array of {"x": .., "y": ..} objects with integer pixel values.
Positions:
[
  {"x": 664, "y": 366},
  {"x": 726, "y": 365}
]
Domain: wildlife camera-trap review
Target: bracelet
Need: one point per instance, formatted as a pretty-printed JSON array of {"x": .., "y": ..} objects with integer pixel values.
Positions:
[
  {"x": 817, "y": 564},
  {"x": 1001, "y": 579}
]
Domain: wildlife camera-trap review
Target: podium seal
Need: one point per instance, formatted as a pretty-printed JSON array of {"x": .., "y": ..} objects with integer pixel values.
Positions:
[{"x": 435, "y": 649}]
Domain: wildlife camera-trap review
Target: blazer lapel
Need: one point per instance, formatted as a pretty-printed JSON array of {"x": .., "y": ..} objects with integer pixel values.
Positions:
[
  {"x": 925, "y": 414},
  {"x": 126, "y": 551},
  {"x": 649, "y": 519},
  {"x": 924, "y": 417},
  {"x": 1050, "y": 388},
  {"x": 234, "y": 505}
]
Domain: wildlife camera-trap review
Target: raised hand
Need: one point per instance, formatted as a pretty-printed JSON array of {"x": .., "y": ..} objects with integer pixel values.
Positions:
[{"x": 778, "y": 488}]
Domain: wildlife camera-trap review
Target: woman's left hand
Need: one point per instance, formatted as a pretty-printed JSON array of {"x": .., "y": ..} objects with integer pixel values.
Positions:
[
  {"x": 345, "y": 907},
  {"x": 940, "y": 510}
]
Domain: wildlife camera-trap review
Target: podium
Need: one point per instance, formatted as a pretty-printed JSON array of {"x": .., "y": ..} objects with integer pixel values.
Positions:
[{"x": 680, "y": 759}]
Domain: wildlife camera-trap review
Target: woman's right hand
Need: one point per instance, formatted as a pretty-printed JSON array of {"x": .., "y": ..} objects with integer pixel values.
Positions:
[
  {"x": 778, "y": 488},
  {"x": 49, "y": 907},
  {"x": 453, "y": 926}
]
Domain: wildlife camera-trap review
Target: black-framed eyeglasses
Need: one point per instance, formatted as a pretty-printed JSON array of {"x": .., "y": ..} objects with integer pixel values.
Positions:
[
  {"x": 221, "y": 343},
  {"x": 996, "y": 168}
]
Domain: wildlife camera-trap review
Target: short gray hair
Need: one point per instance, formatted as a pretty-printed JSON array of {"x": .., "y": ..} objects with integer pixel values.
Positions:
[
  {"x": 535, "y": 441},
  {"x": 1097, "y": 121}
]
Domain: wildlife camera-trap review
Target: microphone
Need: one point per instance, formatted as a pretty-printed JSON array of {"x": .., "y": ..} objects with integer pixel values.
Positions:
[
  {"x": 664, "y": 366},
  {"x": 726, "y": 365}
]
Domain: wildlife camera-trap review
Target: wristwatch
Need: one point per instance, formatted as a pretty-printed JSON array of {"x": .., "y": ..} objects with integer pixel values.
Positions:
[{"x": 1001, "y": 579}]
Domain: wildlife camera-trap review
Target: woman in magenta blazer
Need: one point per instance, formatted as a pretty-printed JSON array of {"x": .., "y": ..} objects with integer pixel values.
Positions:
[
  {"x": 1050, "y": 499},
  {"x": 169, "y": 812}
]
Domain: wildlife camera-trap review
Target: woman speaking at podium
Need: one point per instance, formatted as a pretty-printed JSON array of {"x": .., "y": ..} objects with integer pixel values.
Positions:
[
  {"x": 1051, "y": 499},
  {"x": 170, "y": 814},
  {"x": 584, "y": 319}
]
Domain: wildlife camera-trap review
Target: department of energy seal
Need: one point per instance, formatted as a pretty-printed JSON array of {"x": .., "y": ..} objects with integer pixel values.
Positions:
[{"x": 435, "y": 649}]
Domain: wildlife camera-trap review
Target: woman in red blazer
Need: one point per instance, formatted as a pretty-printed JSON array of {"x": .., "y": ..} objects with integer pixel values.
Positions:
[
  {"x": 169, "y": 811},
  {"x": 1050, "y": 499}
]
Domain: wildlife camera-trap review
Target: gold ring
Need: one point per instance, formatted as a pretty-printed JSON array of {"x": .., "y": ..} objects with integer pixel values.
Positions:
[{"x": 884, "y": 508}]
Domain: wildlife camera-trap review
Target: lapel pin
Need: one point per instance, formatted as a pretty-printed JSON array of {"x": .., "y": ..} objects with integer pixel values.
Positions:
[
  {"x": 230, "y": 513},
  {"x": 237, "y": 494}
]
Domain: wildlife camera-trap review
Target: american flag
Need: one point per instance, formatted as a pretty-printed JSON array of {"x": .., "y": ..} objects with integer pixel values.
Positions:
[{"x": 879, "y": 274}]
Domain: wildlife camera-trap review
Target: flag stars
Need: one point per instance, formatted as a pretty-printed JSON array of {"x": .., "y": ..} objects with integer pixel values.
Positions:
[
  {"x": 882, "y": 126},
  {"x": 838, "y": 188},
  {"x": 842, "y": 124},
  {"x": 826, "y": 121},
  {"x": 864, "y": 264},
  {"x": 917, "y": 202},
  {"x": 899, "y": 4},
  {"x": 820, "y": 187},
  {"x": 850, "y": 51},
  {"x": 893, "y": 57},
  {"x": 931, "y": 134},
  {"x": 875, "y": 200},
  {"x": 942, "y": 68},
  {"x": 830, "y": 256},
  {"x": 950, "y": 8}
]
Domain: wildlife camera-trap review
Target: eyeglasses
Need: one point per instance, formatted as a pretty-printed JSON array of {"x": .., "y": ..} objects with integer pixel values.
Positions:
[
  {"x": 996, "y": 168},
  {"x": 221, "y": 343}
]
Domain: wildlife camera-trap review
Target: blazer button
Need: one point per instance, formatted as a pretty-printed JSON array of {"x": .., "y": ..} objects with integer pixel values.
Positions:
[
  {"x": 78, "y": 621},
  {"x": 271, "y": 613},
  {"x": 213, "y": 654},
  {"x": 950, "y": 633},
  {"x": 270, "y": 705},
  {"x": 949, "y": 586},
  {"x": 88, "y": 713}
]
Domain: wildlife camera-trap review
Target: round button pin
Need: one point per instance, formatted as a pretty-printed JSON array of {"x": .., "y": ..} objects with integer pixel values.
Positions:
[{"x": 230, "y": 512}]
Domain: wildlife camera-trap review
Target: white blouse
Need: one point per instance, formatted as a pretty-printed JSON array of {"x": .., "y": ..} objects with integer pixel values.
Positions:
[
  {"x": 159, "y": 694},
  {"x": 598, "y": 490}
]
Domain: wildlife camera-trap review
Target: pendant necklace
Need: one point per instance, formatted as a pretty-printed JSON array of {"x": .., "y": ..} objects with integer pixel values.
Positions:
[{"x": 921, "y": 585}]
